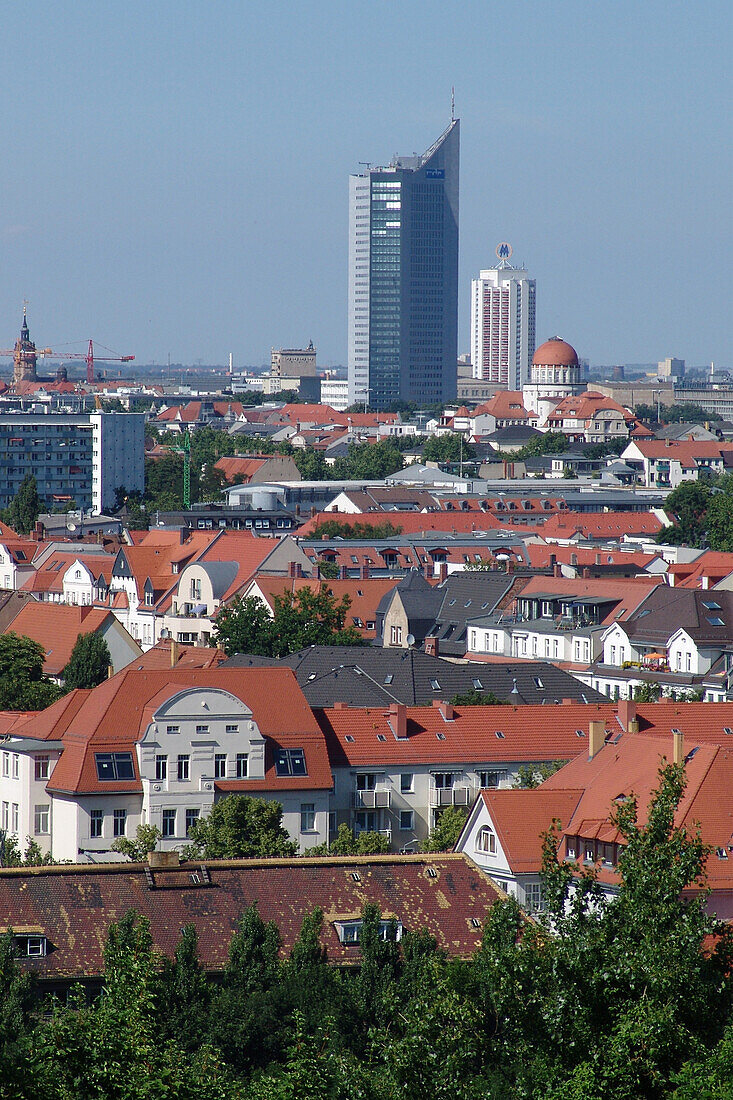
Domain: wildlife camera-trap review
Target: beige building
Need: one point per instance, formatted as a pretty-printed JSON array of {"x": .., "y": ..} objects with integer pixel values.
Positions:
[{"x": 293, "y": 362}]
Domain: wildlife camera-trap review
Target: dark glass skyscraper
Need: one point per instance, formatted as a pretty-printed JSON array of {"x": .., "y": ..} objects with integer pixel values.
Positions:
[{"x": 403, "y": 277}]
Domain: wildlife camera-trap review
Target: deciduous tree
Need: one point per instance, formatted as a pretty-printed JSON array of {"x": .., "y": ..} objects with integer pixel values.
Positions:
[
  {"x": 88, "y": 664},
  {"x": 240, "y": 827}
]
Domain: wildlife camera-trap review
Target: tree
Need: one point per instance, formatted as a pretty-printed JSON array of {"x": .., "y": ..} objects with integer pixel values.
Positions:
[
  {"x": 329, "y": 570},
  {"x": 530, "y": 776},
  {"x": 88, "y": 664},
  {"x": 688, "y": 505},
  {"x": 447, "y": 829},
  {"x": 372, "y": 461},
  {"x": 476, "y": 698},
  {"x": 16, "y": 1004},
  {"x": 305, "y": 617},
  {"x": 240, "y": 827},
  {"x": 549, "y": 443},
  {"x": 25, "y": 507},
  {"x": 344, "y": 529},
  {"x": 137, "y": 850},
  {"x": 346, "y": 843},
  {"x": 245, "y": 626},
  {"x": 719, "y": 521},
  {"x": 447, "y": 448},
  {"x": 648, "y": 692},
  {"x": 22, "y": 683}
]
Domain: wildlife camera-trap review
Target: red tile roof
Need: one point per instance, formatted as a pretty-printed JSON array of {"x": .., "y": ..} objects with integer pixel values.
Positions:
[
  {"x": 520, "y": 821},
  {"x": 240, "y": 469},
  {"x": 363, "y": 594},
  {"x": 682, "y": 450},
  {"x": 627, "y": 593},
  {"x": 56, "y": 627},
  {"x": 451, "y": 903},
  {"x": 408, "y": 523},
  {"x": 324, "y": 414},
  {"x": 116, "y": 714},
  {"x": 713, "y": 566},
  {"x": 599, "y": 525}
]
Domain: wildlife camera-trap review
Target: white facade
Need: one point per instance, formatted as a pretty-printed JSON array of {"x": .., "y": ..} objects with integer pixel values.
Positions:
[
  {"x": 335, "y": 392},
  {"x": 503, "y": 325},
  {"x": 358, "y": 290}
]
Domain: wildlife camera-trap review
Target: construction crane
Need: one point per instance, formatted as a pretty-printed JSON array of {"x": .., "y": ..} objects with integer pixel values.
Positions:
[{"x": 90, "y": 357}]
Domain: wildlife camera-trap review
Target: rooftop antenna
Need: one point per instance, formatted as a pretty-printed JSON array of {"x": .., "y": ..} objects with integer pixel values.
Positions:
[
  {"x": 453, "y": 104},
  {"x": 365, "y": 164}
]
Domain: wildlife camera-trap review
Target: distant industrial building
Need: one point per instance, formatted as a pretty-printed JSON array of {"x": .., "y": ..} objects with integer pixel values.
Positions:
[
  {"x": 671, "y": 368},
  {"x": 74, "y": 458},
  {"x": 503, "y": 302},
  {"x": 293, "y": 362},
  {"x": 403, "y": 277}
]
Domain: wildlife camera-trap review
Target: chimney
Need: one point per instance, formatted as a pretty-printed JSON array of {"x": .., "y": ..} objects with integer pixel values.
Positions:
[
  {"x": 110, "y": 672},
  {"x": 627, "y": 715},
  {"x": 586, "y": 572},
  {"x": 292, "y": 570},
  {"x": 446, "y": 709},
  {"x": 678, "y": 750},
  {"x": 365, "y": 572},
  {"x": 340, "y": 706},
  {"x": 298, "y": 569},
  {"x": 443, "y": 570},
  {"x": 431, "y": 647},
  {"x": 557, "y": 570},
  {"x": 596, "y": 738},
  {"x": 398, "y": 719},
  {"x": 553, "y": 562},
  {"x": 343, "y": 573},
  {"x": 174, "y": 652}
]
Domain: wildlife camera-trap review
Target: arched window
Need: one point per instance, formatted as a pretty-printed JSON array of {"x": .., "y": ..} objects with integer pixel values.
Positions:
[{"x": 486, "y": 840}]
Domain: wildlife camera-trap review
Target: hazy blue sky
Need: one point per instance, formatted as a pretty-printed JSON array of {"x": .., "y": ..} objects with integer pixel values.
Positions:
[{"x": 175, "y": 173}]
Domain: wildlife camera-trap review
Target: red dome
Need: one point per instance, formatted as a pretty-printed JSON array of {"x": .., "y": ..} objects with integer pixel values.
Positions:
[{"x": 555, "y": 353}]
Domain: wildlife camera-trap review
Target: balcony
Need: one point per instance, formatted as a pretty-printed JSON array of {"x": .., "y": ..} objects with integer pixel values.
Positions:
[
  {"x": 463, "y": 795},
  {"x": 378, "y": 799}
]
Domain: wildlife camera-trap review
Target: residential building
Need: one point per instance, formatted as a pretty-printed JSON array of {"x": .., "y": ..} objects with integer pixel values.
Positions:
[
  {"x": 79, "y": 459},
  {"x": 364, "y": 596},
  {"x": 56, "y": 628},
  {"x": 666, "y": 463},
  {"x": 403, "y": 277},
  {"x": 159, "y": 747},
  {"x": 503, "y": 301},
  {"x": 590, "y": 418},
  {"x": 60, "y": 936}
]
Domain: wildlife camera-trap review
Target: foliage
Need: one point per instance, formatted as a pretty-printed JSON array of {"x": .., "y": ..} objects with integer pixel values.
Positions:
[
  {"x": 368, "y": 461},
  {"x": 476, "y": 698},
  {"x": 329, "y": 570},
  {"x": 484, "y": 565},
  {"x": 688, "y": 504},
  {"x": 137, "y": 850},
  {"x": 530, "y": 776},
  {"x": 299, "y": 619},
  {"x": 719, "y": 519},
  {"x": 447, "y": 448},
  {"x": 88, "y": 664},
  {"x": 11, "y": 854},
  {"x": 347, "y": 843},
  {"x": 549, "y": 443},
  {"x": 237, "y": 827},
  {"x": 447, "y": 829},
  {"x": 343, "y": 529},
  {"x": 675, "y": 414},
  {"x": 22, "y": 683},
  {"x": 25, "y": 507},
  {"x": 648, "y": 692}
]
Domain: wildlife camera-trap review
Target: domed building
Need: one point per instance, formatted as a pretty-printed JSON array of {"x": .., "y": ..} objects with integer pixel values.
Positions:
[{"x": 555, "y": 374}]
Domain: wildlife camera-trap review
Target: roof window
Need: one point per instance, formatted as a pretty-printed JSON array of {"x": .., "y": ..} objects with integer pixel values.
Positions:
[
  {"x": 477, "y": 684},
  {"x": 440, "y": 736},
  {"x": 431, "y": 872},
  {"x": 350, "y": 738},
  {"x": 500, "y": 734},
  {"x": 114, "y": 766},
  {"x": 290, "y": 762},
  {"x": 435, "y": 685},
  {"x": 381, "y": 737}
]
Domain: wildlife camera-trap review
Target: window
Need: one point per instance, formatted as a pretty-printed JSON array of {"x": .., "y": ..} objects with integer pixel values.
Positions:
[
  {"x": 220, "y": 765},
  {"x": 16, "y": 766},
  {"x": 184, "y": 767},
  {"x": 533, "y": 895},
  {"x": 366, "y": 782},
  {"x": 202, "y": 728},
  {"x": 331, "y": 822},
  {"x": 42, "y": 766},
  {"x": 14, "y": 817},
  {"x": 486, "y": 840},
  {"x": 395, "y": 636},
  {"x": 290, "y": 762},
  {"x": 307, "y": 817},
  {"x": 161, "y": 768},
  {"x": 172, "y": 729},
  {"x": 350, "y": 931},
  {"x": 407, "y": 819},
  {"x": 407, "y": 781},
  {"x": 34, "y": 947},
  {"x": 114, "y": 765},
  {"x": 41, "y": 820},
  {"x": 241, "y": 765},
  {"x": 232, "y": 728},
  {"x": 96, "y": 821},
  {"x": 192, "y": 816},
  {"x": 5, "y": 819},
  {"x": 490, "y": 779},
  {"x": 443, "y": 780},
  {"x": 169, "y": 823},
  {"x": 119, "y": 821},
  {"x": 6, "y": 764}
]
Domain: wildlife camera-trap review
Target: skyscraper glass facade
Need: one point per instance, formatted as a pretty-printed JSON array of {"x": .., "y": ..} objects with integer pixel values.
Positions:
[{"x": 403, "y": 278}]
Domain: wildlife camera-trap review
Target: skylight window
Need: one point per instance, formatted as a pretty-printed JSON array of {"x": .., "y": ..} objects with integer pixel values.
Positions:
[
  {"x": 381, "y": 737},
  {"x": 290, "y": 762},
  {"x": 440, "y": 736},
  {"x": 113, "y": 766},
  {"x": 477, "y": 684},
  {"x": 500, "y": 734},
  {"x": 435, "y": 685},
  {"x": 711, "y": 605},
  {"x": 389, "y": 678},
  {"x": 350, "y": 738},
  {"x": 717, "y": 621}
]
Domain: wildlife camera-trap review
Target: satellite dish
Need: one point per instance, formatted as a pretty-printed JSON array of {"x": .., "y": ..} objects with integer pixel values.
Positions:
[
  {"x": 410, "y": 639},
  {"x": 71, "y": 527}
]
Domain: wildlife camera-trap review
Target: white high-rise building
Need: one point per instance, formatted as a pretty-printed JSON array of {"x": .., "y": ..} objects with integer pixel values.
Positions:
[{"x": 503, "y": 323}]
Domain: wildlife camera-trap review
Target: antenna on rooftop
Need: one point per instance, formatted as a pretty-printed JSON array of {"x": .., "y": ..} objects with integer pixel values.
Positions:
[
  {"x": 453, "y": 104},
  {"x": 365, "y": 164}
]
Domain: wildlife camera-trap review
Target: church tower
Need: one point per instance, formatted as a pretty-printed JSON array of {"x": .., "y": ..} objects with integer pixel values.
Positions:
[{"x": 24, "y": 356}]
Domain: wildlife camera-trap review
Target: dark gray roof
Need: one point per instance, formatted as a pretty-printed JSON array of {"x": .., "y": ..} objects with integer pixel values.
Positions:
[
  {"x": 420, "y": 599},
  {"x": 706, "y": 615},
  {"x": 220, "y": 573},
  {"x": 466, "y": 595},
  {"x": 371, "y": 676}
]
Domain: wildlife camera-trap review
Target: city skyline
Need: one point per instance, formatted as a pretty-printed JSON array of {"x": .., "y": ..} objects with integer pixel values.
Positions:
[{"x": 178, "y": 184}]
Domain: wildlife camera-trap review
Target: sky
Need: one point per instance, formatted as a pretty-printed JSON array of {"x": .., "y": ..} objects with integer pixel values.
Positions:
[{"x": 175, "y": 173}]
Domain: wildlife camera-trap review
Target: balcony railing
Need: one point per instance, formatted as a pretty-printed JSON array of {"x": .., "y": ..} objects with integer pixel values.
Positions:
[
  {"x": 378, "y": 799},
  {"x": 462, "y": 795}
]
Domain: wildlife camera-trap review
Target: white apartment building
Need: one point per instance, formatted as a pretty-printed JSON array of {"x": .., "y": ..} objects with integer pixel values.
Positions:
[
  {"x": 503, "y": 302},
  {"x": 358, "y": 290}
]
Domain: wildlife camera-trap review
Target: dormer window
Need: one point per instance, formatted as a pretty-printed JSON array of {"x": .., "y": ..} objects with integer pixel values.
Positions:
[
  {"x": 486, "y": 840},
  {"x": 349, "y": 931},
  {"x": 174, "y": 567}
]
